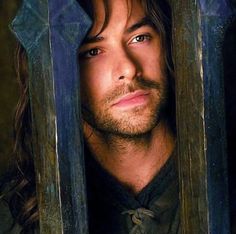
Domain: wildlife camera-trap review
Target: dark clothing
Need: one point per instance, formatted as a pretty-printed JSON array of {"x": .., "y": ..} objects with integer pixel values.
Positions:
[
  {"x": 113, "y": 210},
  {"x": 6, "y": 221}
]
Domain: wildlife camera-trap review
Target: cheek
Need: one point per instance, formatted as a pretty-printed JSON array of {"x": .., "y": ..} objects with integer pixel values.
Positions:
[
  {"x": 94, "y": 81},
  {"x": 150, "y": 58},
  {"x": 151, "y": 64}
]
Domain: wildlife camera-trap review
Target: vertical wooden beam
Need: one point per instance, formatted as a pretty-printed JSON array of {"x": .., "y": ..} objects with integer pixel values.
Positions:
[
  {"x": 198, "y": 33},
  {"x": 51, "y": 31}
]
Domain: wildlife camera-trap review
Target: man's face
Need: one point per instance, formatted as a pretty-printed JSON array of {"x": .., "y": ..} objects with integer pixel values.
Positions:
[{"x": 123, "y": 85}]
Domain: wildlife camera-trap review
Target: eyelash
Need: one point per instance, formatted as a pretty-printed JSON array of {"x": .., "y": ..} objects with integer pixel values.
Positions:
[{"x": 145, "y": 37}]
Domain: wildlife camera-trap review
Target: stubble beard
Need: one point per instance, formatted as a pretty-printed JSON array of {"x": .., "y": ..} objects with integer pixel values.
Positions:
[{"x": 132, "y": 124}]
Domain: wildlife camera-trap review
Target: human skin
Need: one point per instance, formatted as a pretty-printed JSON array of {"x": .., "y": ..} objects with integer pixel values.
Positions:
[{"x": 123, "y": 89}]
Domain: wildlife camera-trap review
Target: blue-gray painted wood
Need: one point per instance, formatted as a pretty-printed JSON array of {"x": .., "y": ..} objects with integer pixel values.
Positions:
[
  {"x": 51, "y": 32},
  {"x": 199, "y": 28},
  {"x": 215, "y": 16}
]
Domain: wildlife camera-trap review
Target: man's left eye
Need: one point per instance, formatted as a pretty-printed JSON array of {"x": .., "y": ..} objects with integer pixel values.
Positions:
[{"x": 140, "y": 38}]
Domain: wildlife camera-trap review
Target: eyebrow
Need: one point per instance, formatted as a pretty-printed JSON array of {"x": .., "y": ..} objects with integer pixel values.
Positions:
[
  {"x": 143, "y": 22},
  {"x": 92, "y": 39}
]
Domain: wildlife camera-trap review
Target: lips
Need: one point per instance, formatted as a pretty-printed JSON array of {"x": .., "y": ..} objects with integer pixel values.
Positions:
[{"x": 138, "y": 97}]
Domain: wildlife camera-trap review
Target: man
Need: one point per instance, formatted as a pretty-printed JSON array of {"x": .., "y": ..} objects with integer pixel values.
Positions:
[
  {"x": 132, "y": 182},
  {"x": 128, "y": 122}
]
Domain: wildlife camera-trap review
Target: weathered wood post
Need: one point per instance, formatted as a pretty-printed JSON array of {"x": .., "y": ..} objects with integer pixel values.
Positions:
[
  {"x": 51, "y": 31},
  {"x": 199, "y": 27}
]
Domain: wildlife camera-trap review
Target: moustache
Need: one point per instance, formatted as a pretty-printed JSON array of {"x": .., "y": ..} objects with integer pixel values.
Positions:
[{"x": 139, "y": 83}]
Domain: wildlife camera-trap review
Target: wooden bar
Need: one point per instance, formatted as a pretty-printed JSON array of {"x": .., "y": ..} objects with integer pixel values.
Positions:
[
  {"x": 198, "y": 34},
  {"x": 51, "y": 32}
]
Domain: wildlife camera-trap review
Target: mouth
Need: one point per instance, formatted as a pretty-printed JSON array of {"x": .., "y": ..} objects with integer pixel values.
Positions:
[{"x": 137, "y": 98}]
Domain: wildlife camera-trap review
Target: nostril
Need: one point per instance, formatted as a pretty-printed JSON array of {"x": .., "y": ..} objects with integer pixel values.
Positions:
[{"x": 121, "y": 77}]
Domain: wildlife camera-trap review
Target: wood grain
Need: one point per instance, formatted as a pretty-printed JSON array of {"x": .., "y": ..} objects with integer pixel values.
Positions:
[
  {"x": 198, "y": 29},
  {"x": 51, "y": 32}
]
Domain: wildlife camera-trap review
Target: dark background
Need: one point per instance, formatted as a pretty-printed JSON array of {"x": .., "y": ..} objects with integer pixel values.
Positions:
[
  {"x": 9, "y": 94},
  {"x": 229, "y": 59},
  {"x": 8, "y": 83}
]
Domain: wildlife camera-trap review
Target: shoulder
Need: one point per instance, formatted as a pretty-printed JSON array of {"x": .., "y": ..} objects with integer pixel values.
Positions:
[{"x": 6, "y": 221}]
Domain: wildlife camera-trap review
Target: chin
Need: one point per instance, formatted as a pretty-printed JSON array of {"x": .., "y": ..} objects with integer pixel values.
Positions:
[
  {"x": 129, "y": 125},
  {"x": 136, "y": 127}
]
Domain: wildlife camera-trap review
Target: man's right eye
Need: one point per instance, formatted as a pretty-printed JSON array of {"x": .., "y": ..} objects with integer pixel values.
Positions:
[{"x": 90, "y": 53}]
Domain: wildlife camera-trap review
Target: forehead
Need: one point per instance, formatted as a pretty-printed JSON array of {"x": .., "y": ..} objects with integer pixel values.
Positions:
[{"x": 107, "y": 12}]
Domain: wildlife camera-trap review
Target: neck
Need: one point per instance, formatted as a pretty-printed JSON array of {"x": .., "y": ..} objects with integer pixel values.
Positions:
[{"x": 132, "y": 161}]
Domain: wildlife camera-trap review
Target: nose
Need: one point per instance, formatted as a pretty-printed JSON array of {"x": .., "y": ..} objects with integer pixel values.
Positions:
[{"x": 125, "y": 66}]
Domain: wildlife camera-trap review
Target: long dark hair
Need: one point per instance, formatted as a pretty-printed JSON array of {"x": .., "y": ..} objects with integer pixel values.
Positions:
[{"x": 19, "y": 184}]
